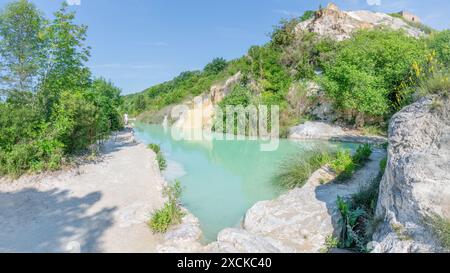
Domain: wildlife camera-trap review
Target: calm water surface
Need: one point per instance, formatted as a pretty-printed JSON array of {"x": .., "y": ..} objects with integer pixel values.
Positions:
[{"x": 222, "y": 179}]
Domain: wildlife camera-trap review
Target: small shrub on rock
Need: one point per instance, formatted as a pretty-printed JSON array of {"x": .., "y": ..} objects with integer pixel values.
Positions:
[{"x": 171, "y": 213}]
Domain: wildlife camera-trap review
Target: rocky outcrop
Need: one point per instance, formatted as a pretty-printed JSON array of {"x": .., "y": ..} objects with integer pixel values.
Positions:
[
  {"x": 339, "y": 25},
  {"x": 326, "y": 131},
  {"x": 199, "y": 112},
  {"x": 218, "y": 92},
  {"x": 416, "y": 184}
]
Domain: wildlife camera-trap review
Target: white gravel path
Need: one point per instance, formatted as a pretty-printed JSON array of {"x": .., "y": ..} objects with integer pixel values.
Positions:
[{"x": 97, "y": 207}]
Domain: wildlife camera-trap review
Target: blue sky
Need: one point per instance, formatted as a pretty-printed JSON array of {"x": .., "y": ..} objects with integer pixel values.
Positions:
[{"x": 139, "y": 43}]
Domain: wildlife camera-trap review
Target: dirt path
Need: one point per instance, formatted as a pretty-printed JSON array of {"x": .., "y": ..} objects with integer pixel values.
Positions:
[{"x": 98, "y": 207}]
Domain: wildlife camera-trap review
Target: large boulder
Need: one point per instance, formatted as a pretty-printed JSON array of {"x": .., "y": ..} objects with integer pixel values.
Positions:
[
  {"x": 303, "y": 218},
  {"x": 326, "y": 131},
  {"x": 315, "y": 130},
  {"x": 416, "y": 185}
]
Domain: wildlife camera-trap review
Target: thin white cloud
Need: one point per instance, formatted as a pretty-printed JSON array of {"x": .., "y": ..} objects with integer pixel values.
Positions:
[
  {"x": 73, "y": 2},
  {"x": 374, "y": 2}
]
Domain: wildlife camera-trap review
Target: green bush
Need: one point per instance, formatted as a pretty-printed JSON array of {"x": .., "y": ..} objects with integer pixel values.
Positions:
[
  {"x": 171, "y": 213},
  {"x": 155, "y": 147},
  {"x": 162, "y": 163},
  {"x": 439, "y": 42},
  {"x": 349, "y": 222},
  {"x": 239, "y": 96},
  {"x": 343, "y": 165},
  {"x": 368, "y": 77},
  {"x": 271, "y": 75},
  {"x": 284, "y": 33},
  {"x": 362, "y": 154},
  {"x": 295, "y": 171},
  {"x": 34, "y": 156},
  {"x": 216, "y": 66}
]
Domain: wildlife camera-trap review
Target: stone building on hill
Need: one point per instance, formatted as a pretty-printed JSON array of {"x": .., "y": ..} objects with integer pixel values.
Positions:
[{"x": 410, "y": 16}]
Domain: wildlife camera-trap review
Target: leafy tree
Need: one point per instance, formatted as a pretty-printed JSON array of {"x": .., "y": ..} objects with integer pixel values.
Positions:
[
  {"x": 106, "y": 97},
  {"x": 307, "y": 53},
  {"x": 52, "y": 108},
  {"x": 67, "y": 54},
  {"x": 266, "y": 67},
  {"x": 139, "y": 103},
  {"x": 370, "y": 70},
  {"x": 216, "y": 66},
  {"x": 284, "y": 33},
  {"x": 74, "y": 121},
  {"x": 21, "y": 46}
]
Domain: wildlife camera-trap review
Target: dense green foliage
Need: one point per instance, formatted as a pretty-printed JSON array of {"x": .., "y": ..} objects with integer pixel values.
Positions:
[
  {"x": 367, "y": 77},
  {"x": 440, "y": 44},
  {"x": 345, "y": 164},
  {"x": 171, "y": 213},
  {"x": 216, "y": 66},
  {"x": 51, "y": 108},
  {"x": 186, "y": 85}
]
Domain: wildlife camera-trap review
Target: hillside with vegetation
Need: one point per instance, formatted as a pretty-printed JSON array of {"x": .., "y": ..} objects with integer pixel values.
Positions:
[
  {"x": 365, "y": 78},
  {"x": 51, "y": 107}
]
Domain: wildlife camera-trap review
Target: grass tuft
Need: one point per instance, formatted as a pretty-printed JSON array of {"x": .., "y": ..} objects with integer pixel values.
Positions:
[
  {"x": 295, "y": 171},
  {"x": 171, "y": 213},
  {"x": 162, "y": 163},
  {"x": 155, "y": 147}
]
